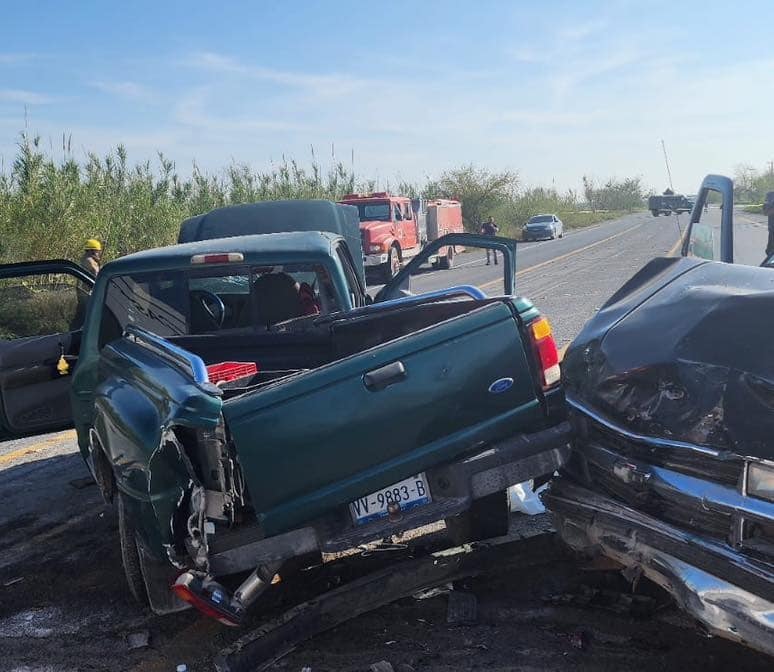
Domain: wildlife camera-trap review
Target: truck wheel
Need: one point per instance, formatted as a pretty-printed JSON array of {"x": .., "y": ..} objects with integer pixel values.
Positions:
[
  {"x": 447, "y": 262},
  {"x": 655, "y": 213},
  {"x": 487, "y": 517},
  {"x": 392, "y": 266},
  {"x": 130, "y": 554}
]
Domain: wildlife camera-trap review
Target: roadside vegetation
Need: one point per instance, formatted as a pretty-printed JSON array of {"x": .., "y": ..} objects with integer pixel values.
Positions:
[
  {"x": 49, "y": 206},
  {"x": 751, "y": 186}
]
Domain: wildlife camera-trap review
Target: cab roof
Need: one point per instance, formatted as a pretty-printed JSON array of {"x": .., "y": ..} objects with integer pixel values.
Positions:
[{"x": 293, "y": 246}]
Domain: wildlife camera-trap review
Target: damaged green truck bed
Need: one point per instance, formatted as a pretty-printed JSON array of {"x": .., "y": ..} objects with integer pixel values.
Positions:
[{"x": 350, "y": 420}]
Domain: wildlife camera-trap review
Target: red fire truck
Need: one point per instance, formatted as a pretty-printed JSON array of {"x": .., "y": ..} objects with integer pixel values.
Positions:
[{"x": 395, "y": 228}]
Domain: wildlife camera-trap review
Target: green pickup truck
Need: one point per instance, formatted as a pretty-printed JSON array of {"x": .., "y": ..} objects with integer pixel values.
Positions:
[{"x": 248, "y": 405}]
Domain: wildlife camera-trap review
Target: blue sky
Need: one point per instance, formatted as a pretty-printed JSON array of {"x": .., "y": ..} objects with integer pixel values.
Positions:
[{"x": 554, "y": 90}]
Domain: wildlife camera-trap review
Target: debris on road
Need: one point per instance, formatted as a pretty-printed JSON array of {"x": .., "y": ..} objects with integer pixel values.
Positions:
[
  {"x": 462, "y": 608},
  {"x": 381, "y": 666},
  {"x": 609, "y": 600},
  {"x": 433, "y": 592},
  {"x": 81, "y": 483},
  {"x": 579, "y": 640},
  {"x": 11, "y": 582},
  {"x": 260, "y": 648},
  {"x": 137, "y": 640},
  {"x": 522, "y": 498}
]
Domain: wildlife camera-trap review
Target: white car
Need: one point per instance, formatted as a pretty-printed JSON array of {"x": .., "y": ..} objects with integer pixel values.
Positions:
[{"x": 541, "y": 227}]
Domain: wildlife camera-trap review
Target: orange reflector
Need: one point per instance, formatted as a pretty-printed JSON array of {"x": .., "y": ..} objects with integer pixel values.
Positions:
[
  {"x": 218, "y": 258},
  {"x": 544, "y": 347},
  {"x": 541, "y": 328}
]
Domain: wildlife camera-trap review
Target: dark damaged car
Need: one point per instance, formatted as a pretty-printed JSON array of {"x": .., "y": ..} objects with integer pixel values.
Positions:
[
  {"x": 248, "y": 405},
  {"x": 671, "y": 391}
]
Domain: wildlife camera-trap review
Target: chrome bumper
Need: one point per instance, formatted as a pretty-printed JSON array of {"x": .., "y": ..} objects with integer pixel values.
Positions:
[
  {"x": 374, "y": 259},
  {"x": 731, "y": 595}
]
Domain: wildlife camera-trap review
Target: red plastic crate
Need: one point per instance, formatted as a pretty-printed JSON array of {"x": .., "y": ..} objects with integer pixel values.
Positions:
[{"x": 225, "y": 372}]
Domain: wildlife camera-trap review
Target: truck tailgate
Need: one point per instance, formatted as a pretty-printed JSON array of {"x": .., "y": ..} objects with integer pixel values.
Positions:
[{"x": 328, "y": 436}]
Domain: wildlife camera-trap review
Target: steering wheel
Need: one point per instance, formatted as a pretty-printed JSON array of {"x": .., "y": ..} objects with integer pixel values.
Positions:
[{"x": 213, "y": 305}]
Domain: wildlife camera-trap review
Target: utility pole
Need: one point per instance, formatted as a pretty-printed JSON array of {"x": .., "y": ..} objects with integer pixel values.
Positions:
[
  {"x": 771, "y": 167},
  {"x": 666, "y": 161}
]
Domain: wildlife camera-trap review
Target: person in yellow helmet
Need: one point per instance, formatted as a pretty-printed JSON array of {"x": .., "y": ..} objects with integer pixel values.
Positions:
[{"x": 92, "y": 253}]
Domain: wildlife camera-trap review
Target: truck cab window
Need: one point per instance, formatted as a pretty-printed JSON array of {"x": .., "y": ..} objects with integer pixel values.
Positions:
[{"x": 210, "y": 300}]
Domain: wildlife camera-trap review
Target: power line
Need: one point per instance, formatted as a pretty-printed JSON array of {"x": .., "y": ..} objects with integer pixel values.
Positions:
[{"x": 666, "y": 161}]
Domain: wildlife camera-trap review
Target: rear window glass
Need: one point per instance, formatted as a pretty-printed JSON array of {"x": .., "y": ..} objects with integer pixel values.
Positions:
[
  {"x": 540, "y": 219},
  {"x": 206, "y": 301}
]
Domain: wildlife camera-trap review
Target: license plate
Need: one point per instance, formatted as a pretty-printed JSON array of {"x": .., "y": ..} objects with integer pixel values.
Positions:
[{"x": 407, "y": 494}]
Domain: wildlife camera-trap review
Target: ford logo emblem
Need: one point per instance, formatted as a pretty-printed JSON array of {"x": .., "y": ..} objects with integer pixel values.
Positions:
[{"x": 501, "y": 385}]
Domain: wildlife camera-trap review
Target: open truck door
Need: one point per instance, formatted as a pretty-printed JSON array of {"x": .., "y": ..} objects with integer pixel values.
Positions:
[
  {"x": 717, "y": 233},
  {"x": 42, "y": 308},
  {"x": 484, "y": 264},
  {"x": 710, "y": 233}
]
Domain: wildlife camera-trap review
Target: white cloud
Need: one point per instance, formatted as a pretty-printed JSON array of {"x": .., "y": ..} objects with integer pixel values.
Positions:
[
  {"x": 325, "y": 85},
  {"x": 13, "y": 58},
  {"x": 196, "y": 110},
  {"x": 126, "y": 89},
  {"x": 25, "y": 97},
  {"x": 581, "y": 31}
]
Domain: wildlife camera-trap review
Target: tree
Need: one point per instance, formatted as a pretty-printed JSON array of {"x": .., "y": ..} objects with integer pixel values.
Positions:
[
  {"x": 745, "y": 177},
  {"x": 481, "y": 191}
]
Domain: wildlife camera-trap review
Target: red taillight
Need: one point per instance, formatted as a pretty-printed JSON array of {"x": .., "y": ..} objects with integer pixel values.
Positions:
[
  {"x": 209, "y": 597},
  {"x": 220, "y": 258},
  {"x": 546, "y": 352}
]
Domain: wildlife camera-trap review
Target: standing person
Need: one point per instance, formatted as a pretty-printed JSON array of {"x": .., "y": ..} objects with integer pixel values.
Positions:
[
  {"x": 489, "y": 228},
  {"x": 92, "y": 253},
  {"x": 768, "y": 210}
]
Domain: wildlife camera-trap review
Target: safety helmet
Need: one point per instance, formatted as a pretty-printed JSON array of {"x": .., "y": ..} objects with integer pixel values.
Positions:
[{"x": 93, "y": 244}]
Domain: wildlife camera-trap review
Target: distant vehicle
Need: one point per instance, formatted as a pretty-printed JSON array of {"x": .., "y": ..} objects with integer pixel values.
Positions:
[
  {"x": 541, "y": 227},
  {"x": 395, "y": 228},
  {"x": 666, "y": 204}
]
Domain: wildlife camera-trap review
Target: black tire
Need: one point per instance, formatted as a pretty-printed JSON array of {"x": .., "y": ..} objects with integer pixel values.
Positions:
[
  {"x": 656, "y": 213},
  {"x": 447, "y": 262},
  {"x": 392, "y": 266},
  {"x": 130, "y": 555},
  {"x": 487, "y": 517}
]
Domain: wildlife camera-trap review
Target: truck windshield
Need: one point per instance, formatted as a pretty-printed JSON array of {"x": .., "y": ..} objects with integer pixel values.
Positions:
[
  {"x": 373, "y": 212},
  {"x": 204, "y": 301}
]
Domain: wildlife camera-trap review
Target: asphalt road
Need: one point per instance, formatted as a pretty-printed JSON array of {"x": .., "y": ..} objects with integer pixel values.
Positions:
[
  {"x": 568, "y": 279},
  {"x": 62, "y": 586}
]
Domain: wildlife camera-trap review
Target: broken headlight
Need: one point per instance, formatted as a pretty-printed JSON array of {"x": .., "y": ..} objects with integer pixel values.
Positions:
[{"x": 760, "y": 481}]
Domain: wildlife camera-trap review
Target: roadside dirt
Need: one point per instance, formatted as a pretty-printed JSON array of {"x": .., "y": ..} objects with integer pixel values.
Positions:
[{"x": 64, "y": 606}]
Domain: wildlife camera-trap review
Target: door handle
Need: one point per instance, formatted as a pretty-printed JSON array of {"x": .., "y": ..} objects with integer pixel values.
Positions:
[{"x": 384, "y": 376}]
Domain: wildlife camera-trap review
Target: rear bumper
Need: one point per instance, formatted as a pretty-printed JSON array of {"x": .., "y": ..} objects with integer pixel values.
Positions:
[
  {"x": 453, "y": 488},
  {"x": 731, "y": 595}
]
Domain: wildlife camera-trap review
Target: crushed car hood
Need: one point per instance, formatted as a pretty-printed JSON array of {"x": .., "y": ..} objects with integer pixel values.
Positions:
[{"x": 683, "y": 351}]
